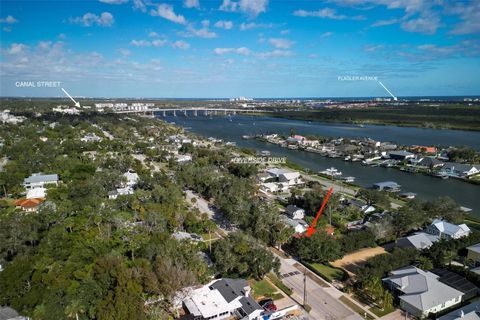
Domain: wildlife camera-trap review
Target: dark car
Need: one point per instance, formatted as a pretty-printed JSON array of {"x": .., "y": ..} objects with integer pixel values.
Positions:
[{"x": 265, "y": 302}]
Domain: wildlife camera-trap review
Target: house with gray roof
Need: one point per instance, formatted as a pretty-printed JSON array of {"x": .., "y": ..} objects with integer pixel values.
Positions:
[
  {"x": 420, "y": 292},
  {"x": 222, "y": 299},
  {"x": 460, "y": 169},
  {"x": 419, "y": 241},
  {"x": 40, "y": 180},
  {"x": 294, "y": 212},
  {"x": 469, "y": 312},
  {"x": 447, "y": 230}
]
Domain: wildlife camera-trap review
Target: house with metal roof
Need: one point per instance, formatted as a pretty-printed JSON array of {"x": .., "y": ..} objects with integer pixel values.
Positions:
[
  {"x": 40, "y": 180},
  {"x": 469, "y": 312},
  {"x": 294, "y": 212},
  {"x": 222, "y": 299},
  {"x": 419, "y": 241},
  {"x": 447, "y": 230},
  {"x": 420, "y": 292}
]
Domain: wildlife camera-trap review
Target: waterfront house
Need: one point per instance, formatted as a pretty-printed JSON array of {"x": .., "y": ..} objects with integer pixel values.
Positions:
[
  {"x": 40, "y": 180},
  {"x": 474, "y": 253},
  {"x": 295, "y": 212},
  {"x": 222, "y": 299},
  {"x": 400, "y": 155},
  {"x": 430, "y": 163},
  {"x": 389, "y": 186},
  {"x": 460, "y": 169},
  {"x": 424, "y": 149},
  {"x": 420, "y": 292},
  {"x": 448, "y": 230}
]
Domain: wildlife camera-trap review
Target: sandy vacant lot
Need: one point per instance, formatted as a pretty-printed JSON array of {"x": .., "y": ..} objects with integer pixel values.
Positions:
[{"x": 352, "y": 261}]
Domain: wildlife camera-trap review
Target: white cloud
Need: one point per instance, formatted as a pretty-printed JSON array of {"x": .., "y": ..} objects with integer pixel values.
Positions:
[
  {"x": 325, "y": 13},
  {"x": 153, "y": 34},
  {"x": 470, "y": 15},
  {"x": 158, "y": 42},
  {"x": 250, "y": 7},
  {"x": 275, "y": 54},
  {"x": 326, "y": 34},
  {"x": 191, "y": 4},
  {"x": 146, "y": 43},
  {"x": 180, "y": 44},
  {"x": 139, "y": 5},
  {"x": 424, "y": 24},
  {"x": 203, "y": 32},
  {"x": 9, "y": 20},
  {"x": 114, "y": 1},
  {"x": 242, "y": 51},
  {"x": 7, "y": 29},
  {"x": 166, "y": 11},
  {"x": 253, "y": 25},
  {"x": 223, "y": 24},
  {"x": 382, "y": 23},
  {"x": 141, "y": 43},
  {"x": 16, "y": 48},
  {"x": 373, "y": 48},
  {"x": 280, "y": 43},
  {"x": 89, "y": 19},
  {"x": 284, "y": 32},
  {"x": 124, "y": 52}
]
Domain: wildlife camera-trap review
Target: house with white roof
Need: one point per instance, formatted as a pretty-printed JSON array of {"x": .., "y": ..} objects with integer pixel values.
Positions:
[
  {"x": 448, "y": 230},
  {"x": 460, "y": 169},
  {"x": 222, "y": 299},
  {"x": 289, "y": 177},
  {"x": 40, "y": 180},
  {"x": 420, "y": 292}
]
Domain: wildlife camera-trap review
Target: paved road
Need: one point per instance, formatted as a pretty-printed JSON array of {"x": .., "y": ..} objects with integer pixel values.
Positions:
[{"x": 324, "y": 301}]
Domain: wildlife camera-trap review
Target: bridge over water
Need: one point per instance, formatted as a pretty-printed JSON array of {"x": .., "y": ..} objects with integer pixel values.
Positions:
[{"x": 194, "y": 111}]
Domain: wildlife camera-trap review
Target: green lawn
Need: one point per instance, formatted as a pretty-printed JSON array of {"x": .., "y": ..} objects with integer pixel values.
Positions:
[
  {"x": 264, "y": 289},
  {"x": 277, "y": 282},
  {"x": 327, "y": 272},
  {"x": 380, "y": 313}
]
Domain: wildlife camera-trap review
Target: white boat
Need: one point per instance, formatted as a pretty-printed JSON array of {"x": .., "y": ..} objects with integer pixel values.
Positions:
[{"x": 331, "y": 172}]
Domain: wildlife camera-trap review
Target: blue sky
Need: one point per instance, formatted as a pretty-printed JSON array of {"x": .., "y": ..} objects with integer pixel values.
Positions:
[{"x": 229, "y": 48}]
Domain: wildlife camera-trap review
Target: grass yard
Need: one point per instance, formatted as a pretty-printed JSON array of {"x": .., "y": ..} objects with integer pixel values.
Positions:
[
  {"x": 277, "y": 282},
  {"x": 264, "y": 289},
  {"x": 380, "y": 313},
  {"x": 355, "y": 307},
  {"x": 327, "y": 272}
]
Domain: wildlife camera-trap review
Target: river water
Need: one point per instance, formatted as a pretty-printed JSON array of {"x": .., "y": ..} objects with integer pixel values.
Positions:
[{"x": 232, "y": 128}]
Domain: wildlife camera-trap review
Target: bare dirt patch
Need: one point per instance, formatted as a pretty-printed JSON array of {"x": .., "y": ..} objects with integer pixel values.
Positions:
[{"x": 351, "y": 262}]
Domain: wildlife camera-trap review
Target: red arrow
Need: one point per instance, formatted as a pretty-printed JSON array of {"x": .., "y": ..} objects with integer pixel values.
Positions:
[{"x": 311, "y": 229}]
